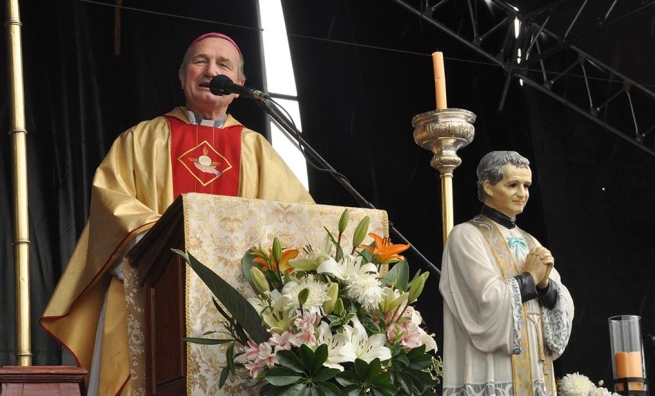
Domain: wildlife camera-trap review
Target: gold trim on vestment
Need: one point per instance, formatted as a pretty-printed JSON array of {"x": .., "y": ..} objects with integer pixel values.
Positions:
[{"x": 521, "y": 368}]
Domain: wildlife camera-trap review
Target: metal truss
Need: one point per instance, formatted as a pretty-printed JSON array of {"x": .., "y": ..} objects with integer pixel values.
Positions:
[{"x": 538, "y": 48}]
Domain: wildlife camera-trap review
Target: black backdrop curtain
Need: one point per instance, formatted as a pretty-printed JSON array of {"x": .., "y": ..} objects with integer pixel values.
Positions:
[{"x": 363, "y": 70}]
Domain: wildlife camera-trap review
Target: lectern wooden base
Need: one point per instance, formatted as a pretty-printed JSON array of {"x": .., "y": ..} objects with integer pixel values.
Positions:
[{"x": 41, "y": 380}]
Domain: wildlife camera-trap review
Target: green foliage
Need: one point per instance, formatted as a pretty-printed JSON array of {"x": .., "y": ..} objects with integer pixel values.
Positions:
[
  {"x": 242, "y": 314},
  {"x": 397, "y": 276},
  {"x": 414, "y": 372},
  {"x": 369, "y": 378},
  {"x": 301, "y": 374}
]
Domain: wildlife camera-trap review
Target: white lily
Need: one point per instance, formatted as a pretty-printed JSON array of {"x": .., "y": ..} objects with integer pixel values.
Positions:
[
  {"x": 346, "y": 268},
  {"x": 391, "y": 299},
  {"x": 314, "y": 258},
  {"x": 334, "y": 342},
  {"x": 275, "y": 317},
  {"x": 363, "y": 347}
]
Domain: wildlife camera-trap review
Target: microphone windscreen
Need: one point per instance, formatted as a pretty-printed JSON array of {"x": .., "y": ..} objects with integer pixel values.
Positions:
[{"x": 218, "y": 84}]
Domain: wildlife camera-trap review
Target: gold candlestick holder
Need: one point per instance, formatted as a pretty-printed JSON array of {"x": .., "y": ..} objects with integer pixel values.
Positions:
[{"x": 444, "y": 131}]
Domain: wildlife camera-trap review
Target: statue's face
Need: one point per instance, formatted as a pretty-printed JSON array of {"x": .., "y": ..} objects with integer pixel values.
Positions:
[{"x": 510, "y": 195}]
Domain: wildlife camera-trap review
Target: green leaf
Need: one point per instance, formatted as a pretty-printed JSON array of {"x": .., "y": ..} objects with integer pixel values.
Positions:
[
  {"x": 302, "y": 296},
  {"x": 297, "y": 390},
  {"x": 352, "y": 390},
  {"x": 339, "y": 253},
  {"x": 282, "y": 376},
  {"x": 405, "y": 382},
  {"x": 398, "y": 275},
  {"x": 361, "y": 368},
  {"x": 417, "y": 285},
  {"x": 329, "y": 389},
  {"x": 320, "y": 356},
  {"x": 224, "y": 374},
  {"x": 402, "y": 360},
  {"x": 367, "y": 255},
  {"x": 244, "y": 313},
  {"x": 417, "y": 352},
  {"x": 270, "y": 390},
  {"x": 325, "y": 374},
  {"x": 347, "y": 378},
  {"x": 290, "y": 360}
]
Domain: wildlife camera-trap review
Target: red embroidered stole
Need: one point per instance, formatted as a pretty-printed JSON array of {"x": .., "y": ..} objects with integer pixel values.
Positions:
[{"x": 205, "y": 159}]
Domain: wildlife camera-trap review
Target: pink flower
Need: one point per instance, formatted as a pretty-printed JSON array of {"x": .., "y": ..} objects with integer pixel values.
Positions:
[
  {"x": 267, "y": 355},
  {"x": 404, "y": 329},
  {"x": 256, "y": 357},
  {"x": 281, "y": 341},
  {"x": 306, "y": 329},
  {"x": 251, "y": 351}
]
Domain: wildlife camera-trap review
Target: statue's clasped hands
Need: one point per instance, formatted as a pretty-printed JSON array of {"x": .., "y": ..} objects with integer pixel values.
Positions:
[{"x": 539, "y": 262}]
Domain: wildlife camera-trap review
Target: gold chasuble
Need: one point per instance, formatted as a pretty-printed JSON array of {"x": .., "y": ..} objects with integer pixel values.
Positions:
[
  {"x": 131, "y": 189},
  {"x": 522, "y": 376}
]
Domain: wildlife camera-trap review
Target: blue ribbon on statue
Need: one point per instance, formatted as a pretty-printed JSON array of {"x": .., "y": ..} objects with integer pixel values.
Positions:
[{"x": 518, "y": 246}]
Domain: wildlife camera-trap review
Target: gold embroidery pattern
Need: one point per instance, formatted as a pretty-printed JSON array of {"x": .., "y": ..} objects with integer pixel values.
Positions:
[{"x": 203, "y": 160}]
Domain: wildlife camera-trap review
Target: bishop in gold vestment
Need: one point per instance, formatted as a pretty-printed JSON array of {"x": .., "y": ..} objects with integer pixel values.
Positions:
[{"x": 132, "y": 187}]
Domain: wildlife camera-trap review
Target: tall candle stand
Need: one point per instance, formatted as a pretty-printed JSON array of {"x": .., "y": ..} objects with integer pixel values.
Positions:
[{"x": 444, "y": 131}]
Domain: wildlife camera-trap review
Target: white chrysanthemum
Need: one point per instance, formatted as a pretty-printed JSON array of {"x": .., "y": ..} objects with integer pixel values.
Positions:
[
  {"x": 575, "y": 385},
  {"x": 317, "y": 295},
  {"x": 366, "y": 289},
  {"x": 602, "y": 392}
]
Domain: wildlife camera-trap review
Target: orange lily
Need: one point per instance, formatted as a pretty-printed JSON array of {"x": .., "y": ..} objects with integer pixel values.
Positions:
[
  {"x": 384, "y": 251},
  {"x": 284, "y": 261}
]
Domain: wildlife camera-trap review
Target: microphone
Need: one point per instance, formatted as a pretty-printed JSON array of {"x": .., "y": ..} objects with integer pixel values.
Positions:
[{"x": 223, "y": 85}]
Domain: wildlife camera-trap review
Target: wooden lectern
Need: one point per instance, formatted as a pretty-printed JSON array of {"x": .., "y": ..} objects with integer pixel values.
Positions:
[
  {"x": 161, "y": 275},
  {"x": 167, "y": 301}
]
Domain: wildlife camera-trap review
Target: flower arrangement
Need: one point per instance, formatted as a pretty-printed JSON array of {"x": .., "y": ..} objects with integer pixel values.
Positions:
[
  {"x": 327, "y": 320},
  {"x": 580, "y": 385}
]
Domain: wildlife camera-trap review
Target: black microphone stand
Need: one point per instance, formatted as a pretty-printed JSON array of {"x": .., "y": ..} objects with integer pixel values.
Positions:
[{"x": 291, "y": 131}]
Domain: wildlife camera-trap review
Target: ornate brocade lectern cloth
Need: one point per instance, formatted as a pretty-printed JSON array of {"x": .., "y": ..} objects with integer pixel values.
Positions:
[{"x": 218, "y": 231}]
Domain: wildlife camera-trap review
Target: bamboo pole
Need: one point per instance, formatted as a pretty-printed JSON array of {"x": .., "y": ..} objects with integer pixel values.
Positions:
[{"x": 18, "y": 134}]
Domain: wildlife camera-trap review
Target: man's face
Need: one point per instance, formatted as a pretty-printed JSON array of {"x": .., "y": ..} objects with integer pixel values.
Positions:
[
  {"x": 510, "y": 194},
  {"x": 207, "y": 59}
]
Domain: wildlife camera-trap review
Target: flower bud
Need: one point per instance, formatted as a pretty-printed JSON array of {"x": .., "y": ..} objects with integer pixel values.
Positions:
[
  {"x": 360, "y": 231},
  {"x": 343, "y": 221},
  {"x": 332, "y": 292},
  {"x": 416, "y": 288},
  {"x": 338, "y": 307},
  {"x": 391, "y": 301},
  {"x": 258, "y": 278},
  {"x": 277, "y": 250}
]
